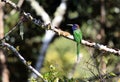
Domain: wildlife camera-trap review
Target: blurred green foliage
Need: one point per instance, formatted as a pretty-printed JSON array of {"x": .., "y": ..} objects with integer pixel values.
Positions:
[{"x": 61, "y": 52}]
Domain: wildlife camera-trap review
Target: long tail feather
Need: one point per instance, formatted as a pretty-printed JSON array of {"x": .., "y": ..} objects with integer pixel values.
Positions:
[{"x": 78, "y": 51}]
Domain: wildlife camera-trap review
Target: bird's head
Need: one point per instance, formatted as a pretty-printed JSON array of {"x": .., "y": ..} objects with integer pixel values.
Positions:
[{"x": 74, "y": 26}]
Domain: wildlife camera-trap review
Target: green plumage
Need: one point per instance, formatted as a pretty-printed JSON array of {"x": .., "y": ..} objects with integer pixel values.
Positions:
[
  {"x": 78, "y": 38},
  {"x": 77, "y": 34}
]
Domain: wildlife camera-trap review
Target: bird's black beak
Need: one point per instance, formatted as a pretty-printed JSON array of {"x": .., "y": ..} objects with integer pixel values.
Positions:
[{"x": 69, "y": 24}]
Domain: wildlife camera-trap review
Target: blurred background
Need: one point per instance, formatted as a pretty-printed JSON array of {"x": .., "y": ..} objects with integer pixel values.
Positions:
[{"x": 99, "y": 21}]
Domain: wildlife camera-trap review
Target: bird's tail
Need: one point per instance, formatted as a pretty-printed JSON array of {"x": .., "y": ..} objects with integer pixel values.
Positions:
[{"x": 78, "y": 51}]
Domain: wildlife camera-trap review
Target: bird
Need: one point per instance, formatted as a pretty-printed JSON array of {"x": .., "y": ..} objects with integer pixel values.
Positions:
[{"x": 77, "y": 34}]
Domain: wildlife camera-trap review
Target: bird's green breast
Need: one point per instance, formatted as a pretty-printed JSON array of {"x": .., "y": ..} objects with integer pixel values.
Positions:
[{"x": 77, "y": 35}]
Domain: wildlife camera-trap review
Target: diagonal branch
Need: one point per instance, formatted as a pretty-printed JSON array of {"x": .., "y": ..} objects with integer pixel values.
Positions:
[
  {"x": 19, "y": 22},
  {"x": 23, "y": 60},
  {"x": 64, "y": 33}
]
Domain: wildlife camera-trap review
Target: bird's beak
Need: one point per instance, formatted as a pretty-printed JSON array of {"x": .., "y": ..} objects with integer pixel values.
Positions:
[{"x": 69, "y": 24}]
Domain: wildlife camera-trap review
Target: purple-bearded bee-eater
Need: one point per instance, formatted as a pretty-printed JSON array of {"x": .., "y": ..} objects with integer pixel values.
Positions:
[{"x": 77, "y": 34}]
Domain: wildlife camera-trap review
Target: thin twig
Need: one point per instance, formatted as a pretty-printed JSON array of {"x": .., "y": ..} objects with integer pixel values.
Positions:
[
  {"x": 11, "y": 30},
  {"x": 106, "y": 76}
]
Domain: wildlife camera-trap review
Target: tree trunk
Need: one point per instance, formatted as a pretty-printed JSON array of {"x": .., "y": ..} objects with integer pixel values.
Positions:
[{"x": 4, "y": 73}]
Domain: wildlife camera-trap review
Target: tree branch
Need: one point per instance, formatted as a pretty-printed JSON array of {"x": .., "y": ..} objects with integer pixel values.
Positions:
[
  {"x": 4, "y": 72},
  {"x": 106, "y": 76},
  {"x": 23, "y": 60},
  {"x": 19, "y": 22},
  {"x": 62, "y": 33}
]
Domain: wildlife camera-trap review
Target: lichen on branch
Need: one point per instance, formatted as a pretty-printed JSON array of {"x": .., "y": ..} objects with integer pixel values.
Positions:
[{"x": 60, "y": 32}]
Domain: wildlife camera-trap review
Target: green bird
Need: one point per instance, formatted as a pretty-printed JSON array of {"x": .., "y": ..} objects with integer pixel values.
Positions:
[{"x": 77, "y": 34}]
